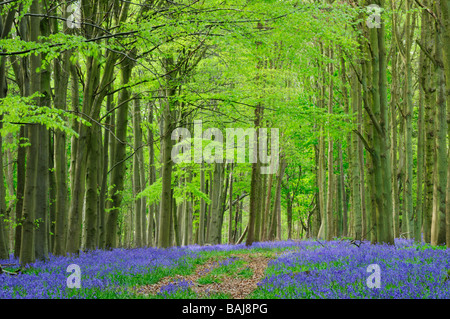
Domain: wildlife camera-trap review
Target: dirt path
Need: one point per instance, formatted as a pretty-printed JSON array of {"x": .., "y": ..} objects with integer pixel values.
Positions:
[{"x": 234, "y": 286}]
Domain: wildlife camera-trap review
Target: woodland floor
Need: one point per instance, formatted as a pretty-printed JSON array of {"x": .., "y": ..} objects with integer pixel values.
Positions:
[
  {"x": 271, "y": 270},
  {"x": 230, "y": 284}
]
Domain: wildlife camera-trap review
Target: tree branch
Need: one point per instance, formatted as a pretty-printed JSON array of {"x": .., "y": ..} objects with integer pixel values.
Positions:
[
  {"x": 374, "y": 120},
  {"x": 433, "y": 60},
  {"x": 428, "y": 10},
  {"x": 366, "y": 144}
]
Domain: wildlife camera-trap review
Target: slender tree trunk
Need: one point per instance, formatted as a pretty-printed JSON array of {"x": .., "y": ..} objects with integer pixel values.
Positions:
[
  {"x": 230, "y": 207},
  {"x": 317, "y": 215},
  {"x": 62, "y": 75},
  {"x": 289, "y": 214},
  {"x": 394, "y": 159},
  {"x": 169, "y": 120},
  {"x": 152, "y": 178},
  {"x": 186, "y": 220},
  {"x": 267, "y": 207},
  {"x": 23, "y": 76},
  {"x": 118, "y": 172},
  {"x": 216, "y": 204},
  {"x": 78, "y": 186},
  {"x": 329, "y": 207},
  {"x": 210, "y": 193},
  {"x": 9, "y": 174},
  {"x": 344, "y": 218},
  {"x": 42, "y": 183},
  {"x": 27, "y": 252},
  {"x": 202, "y": 217},
  {"x": 321, "y": 163},
  {"x": 137, "y": 187},
  {"x": 340, "y": 186},
  {"x": 19, "y": 191},
  {"x": 354, "y": 160},
  {"x": 144, "y": 236},
  {"x": 445, "y": 14},
  {"x": 255, "y": 213},
  {"x": 430, "y": 135},
  {"x": 5, "y": 27},
  {"x": 380, "y": 151},
  {"x": 387, "y": 230},
  {"x": 4, "y": 249},
  {"x": 421, "y": 143},
  {"x": 420, "y": 163},
  {"x": 366, "y": 69},
  {"x": 274, "y": 224},
  {"x": 236, "y": 221},
  {"x": 408, "y": 217},
  {"x": 104, "y": 180},
  {"x": 75, "y": 105},
  {"x": 438, "y": 224},
  {"x": 92, "y": 188}
]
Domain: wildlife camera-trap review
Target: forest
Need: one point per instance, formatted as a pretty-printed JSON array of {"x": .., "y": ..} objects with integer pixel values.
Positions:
[{"x": 260, "y": 138}]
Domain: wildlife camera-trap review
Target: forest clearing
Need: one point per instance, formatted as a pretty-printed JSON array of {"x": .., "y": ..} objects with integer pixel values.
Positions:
[{"x": 224, "y": 149}]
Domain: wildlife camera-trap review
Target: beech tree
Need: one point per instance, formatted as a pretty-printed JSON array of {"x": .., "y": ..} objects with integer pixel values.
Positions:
[{"x": 353, "y": 96}]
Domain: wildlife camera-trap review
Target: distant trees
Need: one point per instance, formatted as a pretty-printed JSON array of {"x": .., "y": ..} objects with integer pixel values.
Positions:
[{"x": 89, "y": 113}]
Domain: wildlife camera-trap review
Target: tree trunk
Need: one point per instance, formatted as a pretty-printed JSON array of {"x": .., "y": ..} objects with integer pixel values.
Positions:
[
  {"x": 137, "y": 168},
  {"x": 62, "y": 74},
  {"x": 387, "y": 230},
  {"x": 354, "y": 162},
  {"x": 42, "y": 183},
  {"x": 418, "y": 218},
  {"x": 438, "y": 224},
  {"x": 380, "y": 151},
  {"x": 92, "y": 183},
  {"x": 445, "y": 14},
  {"x": 27, "y": 253},
  {"x": 428, "y": 89},
  {"x": 167, "y": 163},
  {"x": 394, "y": 159},
  {"x": 19, "y": 191},
  {"x": 408, "y": 217},
  {"x": 289, "y": 201},
  {"x": 329, "y": 205},
  {"x": 118, "y": 172},
  {"x": 202, "y": 216},
  {"x": 23, "y": 74},
  {"x": 216, "y": 204},
  {"x": 230, "y": 207},
  {"x": 152, "y": 178},
  {"x": 343, "y": 194},
  {"x": 104, "y": 164},
  {"x": 274, "y": 224},
  {"x": 255, "y": 213},
  {"x": 267, "y": 207}
]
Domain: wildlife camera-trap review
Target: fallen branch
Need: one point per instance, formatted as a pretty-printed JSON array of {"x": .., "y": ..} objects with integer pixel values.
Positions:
[
  {"x": 317, "y": 240},
  {"x": 243, "y": 235},
  {"x": 353, "y": 241},
  {"x": 14, "y": 273}
]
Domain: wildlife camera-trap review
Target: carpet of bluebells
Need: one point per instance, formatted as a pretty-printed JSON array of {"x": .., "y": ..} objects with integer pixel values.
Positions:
[
  {"x": 301, "y": 270},
  {"x": 339, "y": 270}
]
